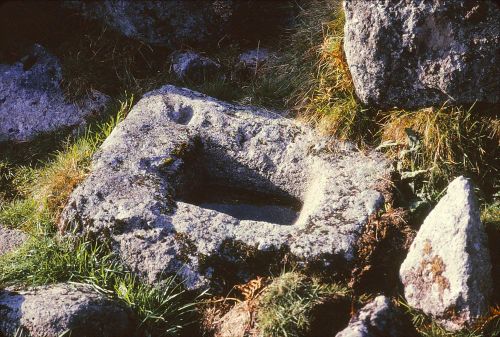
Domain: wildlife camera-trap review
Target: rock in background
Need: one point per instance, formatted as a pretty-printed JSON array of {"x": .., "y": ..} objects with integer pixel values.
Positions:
[
  {"x": 32, "y": 100},
  {"x": 61, "y": 308},
  {"x": 177, "y": 23},
  {"x": 447, "y": 272},
  {"x": 419, "y": 53}
]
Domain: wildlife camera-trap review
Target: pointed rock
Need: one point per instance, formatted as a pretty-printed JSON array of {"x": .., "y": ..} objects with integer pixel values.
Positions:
[{"x": 447, "y": 272}]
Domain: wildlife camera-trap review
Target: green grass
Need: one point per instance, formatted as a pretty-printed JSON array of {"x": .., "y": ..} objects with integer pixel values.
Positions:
[
  {"x": 39, "y": 192},
  {"x": 427, "y": 327},
  {"x": 287, "y": 303},
  {"x": 163, "y": 309},
  {"x": 39, "y": 189}
]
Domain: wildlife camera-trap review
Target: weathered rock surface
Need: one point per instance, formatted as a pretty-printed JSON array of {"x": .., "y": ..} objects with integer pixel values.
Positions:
[
  {"x": 377, "y": 318},
  {"x": 237, "y": 321},
  {"x": 193, "y": 67},
  {"x": 10, "y": 239},
  {"x": 447, "y": 272},
  {"x": 419, "y": 53},
  {"x": 32, "y": 100},
  {"x": 52, "y": 310},
  {"x": 185, "y": 179},
  {"x": 168, "y": 23},
  {"x": 200, "y": 23}
]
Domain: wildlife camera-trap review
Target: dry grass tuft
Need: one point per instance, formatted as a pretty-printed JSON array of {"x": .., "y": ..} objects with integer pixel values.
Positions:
[{"x": 443, "y": 142}]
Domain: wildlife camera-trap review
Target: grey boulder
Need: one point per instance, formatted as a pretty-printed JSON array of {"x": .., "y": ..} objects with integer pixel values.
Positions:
[
  {"x": 377, "y": 318},
  {"x": 447, "y": 272},
  {"x": 190, "y": 184},
  {"x": 32, "y": 100},
  {"x": 420, "y": 53},
  {"x": 10, "y": 239},
  {"x": 49, "y": 311},
  {"x": 193, "y": 67},
  {"x": 167, "y": 23}
]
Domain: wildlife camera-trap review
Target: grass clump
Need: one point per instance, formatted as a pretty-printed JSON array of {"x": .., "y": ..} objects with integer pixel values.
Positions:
[
  {"x": 163, "y": 309},
  {"x": 427, "y": 327},
  {"x": 441, "y": 143},
  {"x": 287, "y": 304},
  {"x": 40, "y": 190}
]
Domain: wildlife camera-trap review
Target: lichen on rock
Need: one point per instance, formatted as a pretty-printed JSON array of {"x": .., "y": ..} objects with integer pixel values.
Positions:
[
  {"x": 184, "y": 163},
  {"x": 63, "y": 308},
  {"x": 413, "y": 54},
  {"x": 447, "y": 272},
  {"x": 32, "y": 100}
]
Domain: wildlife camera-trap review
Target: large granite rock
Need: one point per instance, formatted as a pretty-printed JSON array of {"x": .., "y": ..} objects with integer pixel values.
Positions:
[
  {"x": 447, "y": 272},
  {"x": 32, "y": 100},
  {"x": 188, "y": 183},
  {"x": 10, "y": 239},
  {"x": 419, "y": 53},
  {"x": 377, "y": 318},
  {"x": 62, "y": 308}
]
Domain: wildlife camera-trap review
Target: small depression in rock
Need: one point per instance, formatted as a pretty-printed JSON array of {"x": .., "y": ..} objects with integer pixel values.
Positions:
[{"x": 245, "y": 205}]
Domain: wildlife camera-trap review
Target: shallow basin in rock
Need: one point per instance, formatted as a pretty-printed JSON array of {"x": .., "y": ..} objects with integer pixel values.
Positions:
[
  {"x": 245, "y": 204},
  {"x": 193, "y": 185}
]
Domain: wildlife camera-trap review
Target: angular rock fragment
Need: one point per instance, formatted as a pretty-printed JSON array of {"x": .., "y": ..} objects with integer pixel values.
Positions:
[
  {"x": 377, "y": 318},
  {"x": 63, "y": 308},
  {"x": 419, "y": 53},
  {"x": 191, "y": 184},
  {"x": 10, "y": 239},
  {"x": 32, "y": 100},
  {"x": 193, "y": 67},
  {"x": 447, "y": 272}
]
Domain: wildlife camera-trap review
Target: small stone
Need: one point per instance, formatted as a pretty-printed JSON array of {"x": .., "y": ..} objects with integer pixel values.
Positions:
[
  {"x": 61, "y": 308},
  {"x": 190, "y": 66},
  {"x": 377, "y": 318},
  {"x": 10, "y": 239},
  {"x": 447, "y": 273},
  {"x": 32, "y": 100}
]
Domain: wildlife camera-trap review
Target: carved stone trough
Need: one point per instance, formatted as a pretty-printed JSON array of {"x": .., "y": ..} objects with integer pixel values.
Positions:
[{"x": 190, "y": 185}]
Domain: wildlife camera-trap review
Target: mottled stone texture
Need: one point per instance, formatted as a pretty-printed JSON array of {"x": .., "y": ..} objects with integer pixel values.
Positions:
[
  {"x": 10, "y": 239},
  {"x": 447, "y": 272},
  {"x": 377, "y": 318},
  {"x": 33, "y": 102},
  {"x": 417, "y": 53},
  {"x": 63, "y": 308},
  {"x": 177, "y": 146}
]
